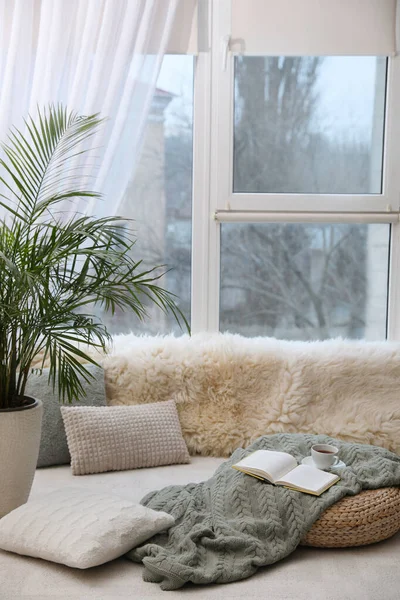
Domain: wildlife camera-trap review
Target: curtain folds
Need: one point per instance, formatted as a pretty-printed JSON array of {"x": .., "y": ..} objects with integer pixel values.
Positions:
[{"x": 93, "y": 56}]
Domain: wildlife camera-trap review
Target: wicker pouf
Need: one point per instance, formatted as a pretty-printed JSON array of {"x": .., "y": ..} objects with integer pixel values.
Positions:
[{"x": 368, "y": 517}]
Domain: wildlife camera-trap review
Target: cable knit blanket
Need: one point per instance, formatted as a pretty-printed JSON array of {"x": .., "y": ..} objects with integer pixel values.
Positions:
[{"x": 229, "y": 526}]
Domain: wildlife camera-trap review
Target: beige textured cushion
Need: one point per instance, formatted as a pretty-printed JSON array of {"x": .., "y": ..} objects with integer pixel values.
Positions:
[{"x": 114, "y": 438}]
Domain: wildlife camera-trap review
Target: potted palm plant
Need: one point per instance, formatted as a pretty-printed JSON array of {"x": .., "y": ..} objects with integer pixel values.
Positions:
[{"x": 55, "y": 270}]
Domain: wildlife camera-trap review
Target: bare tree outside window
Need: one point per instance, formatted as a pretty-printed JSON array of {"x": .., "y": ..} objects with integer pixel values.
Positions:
[
  {"x": 294, "y": 132},
  {"x": 287, "y": 139},
  {"x": 301, "y": 281}
]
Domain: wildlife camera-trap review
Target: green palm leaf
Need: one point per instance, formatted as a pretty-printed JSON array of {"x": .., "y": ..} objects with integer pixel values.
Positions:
[{"x": 55, "y": 272}]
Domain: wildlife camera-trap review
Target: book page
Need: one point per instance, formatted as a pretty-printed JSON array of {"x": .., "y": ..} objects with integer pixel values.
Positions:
[
  {"x": 308, "y": 478},
  {"x": 274, "y": 464}
]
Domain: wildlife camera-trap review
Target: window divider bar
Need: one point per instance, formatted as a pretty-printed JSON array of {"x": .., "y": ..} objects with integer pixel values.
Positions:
[{"x": 247, "y": 216}]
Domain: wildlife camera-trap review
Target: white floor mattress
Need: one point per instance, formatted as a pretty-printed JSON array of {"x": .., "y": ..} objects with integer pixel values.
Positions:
[{"x": 370, "y": 573}]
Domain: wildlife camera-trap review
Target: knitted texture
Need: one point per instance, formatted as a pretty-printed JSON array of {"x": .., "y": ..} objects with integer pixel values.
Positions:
[
  {"x": 78, "y": 527},
  {"x": 229, "y": 526},
  {"x": 115, "y": 438},
  {"x": 369, "y": 517}
]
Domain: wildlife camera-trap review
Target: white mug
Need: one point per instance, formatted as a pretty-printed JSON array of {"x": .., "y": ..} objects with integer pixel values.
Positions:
[{"x": 324, "y": 455}]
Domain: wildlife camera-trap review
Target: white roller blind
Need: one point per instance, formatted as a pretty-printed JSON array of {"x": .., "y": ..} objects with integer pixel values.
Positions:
[
  {"x": 184, "y": 34},
  {"x": 314, "y": 27},
  {"x": 183, "y": 39}
]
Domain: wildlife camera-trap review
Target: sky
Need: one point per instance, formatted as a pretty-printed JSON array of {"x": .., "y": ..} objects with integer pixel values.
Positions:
[{"x": 346, "y": 88}]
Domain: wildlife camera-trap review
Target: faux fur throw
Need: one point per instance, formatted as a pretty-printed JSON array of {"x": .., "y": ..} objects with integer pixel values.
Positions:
[
  {"x": 229, "y": 526},
  {"x": 230, "y": 390}
]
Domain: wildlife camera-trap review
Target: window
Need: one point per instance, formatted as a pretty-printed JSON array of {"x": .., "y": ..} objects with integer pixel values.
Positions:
[
  {"x": 301, "y": 235},
  {"x": 294, "y": 231},
  {"x": 304, "y": 281},
  {"x": 309, "y": 124},
  {"x": 310, "y": 129},
  {"x": 159, "y": 198}
]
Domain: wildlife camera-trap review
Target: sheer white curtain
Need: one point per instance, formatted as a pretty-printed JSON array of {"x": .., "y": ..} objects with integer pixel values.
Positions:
[{"x": 93, "y": 56}]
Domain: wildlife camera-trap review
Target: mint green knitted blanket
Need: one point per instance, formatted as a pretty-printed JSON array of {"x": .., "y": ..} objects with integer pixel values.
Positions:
[{"x": 231, "y": 525}]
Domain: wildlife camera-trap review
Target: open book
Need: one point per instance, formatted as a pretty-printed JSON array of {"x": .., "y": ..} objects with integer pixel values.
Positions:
[{"x": 281, "y": 468}]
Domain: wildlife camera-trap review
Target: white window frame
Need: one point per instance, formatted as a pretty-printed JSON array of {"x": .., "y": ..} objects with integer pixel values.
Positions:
[{"x": 213, "y": 198}]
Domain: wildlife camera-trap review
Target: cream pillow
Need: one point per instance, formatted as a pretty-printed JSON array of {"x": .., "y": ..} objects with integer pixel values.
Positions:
[
  {"x": 114, "y": 438},
  {"x": 79, "y": 528}
]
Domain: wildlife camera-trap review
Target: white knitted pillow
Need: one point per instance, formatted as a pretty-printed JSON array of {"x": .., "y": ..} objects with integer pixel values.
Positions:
[
  {"x": 115, "y": 438},
  {"x": 79, "y": 528}
]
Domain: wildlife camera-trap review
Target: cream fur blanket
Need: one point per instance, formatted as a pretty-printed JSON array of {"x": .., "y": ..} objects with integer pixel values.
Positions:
[{"x": 230, "y": 390}]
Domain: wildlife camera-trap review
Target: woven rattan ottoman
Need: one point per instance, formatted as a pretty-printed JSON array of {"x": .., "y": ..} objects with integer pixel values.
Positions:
[{"x": 368, "y": 517}]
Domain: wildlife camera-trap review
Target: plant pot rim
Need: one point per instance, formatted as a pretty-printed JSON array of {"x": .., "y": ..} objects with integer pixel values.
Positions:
[{"x": 32, "y": 403}]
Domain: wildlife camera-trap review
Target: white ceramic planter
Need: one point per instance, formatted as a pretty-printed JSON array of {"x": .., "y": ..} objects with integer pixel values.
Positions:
[{"x": 19, "y": 449}]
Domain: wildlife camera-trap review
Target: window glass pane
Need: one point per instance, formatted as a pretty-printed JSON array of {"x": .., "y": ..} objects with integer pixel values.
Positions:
[
  {"x": 159, "y": 198},
  {"x": 309, "y": 124},
  {"x": 304, "y": 282}
]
